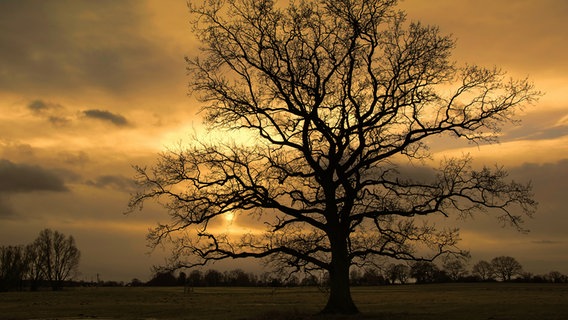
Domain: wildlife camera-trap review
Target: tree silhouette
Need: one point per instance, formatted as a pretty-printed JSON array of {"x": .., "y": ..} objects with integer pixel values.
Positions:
[
  {"x": 425, "y": 272},
  {"x": 455, "y": 269},
  {"x": 483, "y": 270},
  {"x": 13, "y": 267},
  {"x": 336, "y": 100},
  {"x": 57, "y": 257},
  {"x": 506, "y": 267},
  {"x": 399, "y": 272}
]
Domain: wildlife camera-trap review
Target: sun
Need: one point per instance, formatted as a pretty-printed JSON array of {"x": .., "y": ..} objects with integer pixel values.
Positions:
[{"x": 229, "y": 217}]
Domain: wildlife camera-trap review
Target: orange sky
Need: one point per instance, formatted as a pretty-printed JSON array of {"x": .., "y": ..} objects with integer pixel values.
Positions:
[{"x": 88, "y": 88}]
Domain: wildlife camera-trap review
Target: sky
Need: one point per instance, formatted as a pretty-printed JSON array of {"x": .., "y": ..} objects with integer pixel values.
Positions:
[{"x": 90, "y": 88}]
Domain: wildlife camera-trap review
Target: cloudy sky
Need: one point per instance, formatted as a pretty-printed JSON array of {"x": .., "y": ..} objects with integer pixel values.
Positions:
[{"x": 89, "y": 88}]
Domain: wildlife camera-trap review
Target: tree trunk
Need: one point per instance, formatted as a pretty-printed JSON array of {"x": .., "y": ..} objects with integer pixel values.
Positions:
[{"x": 340, "y": 301}]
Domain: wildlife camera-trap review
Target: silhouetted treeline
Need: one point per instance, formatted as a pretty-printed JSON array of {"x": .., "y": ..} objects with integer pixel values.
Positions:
[
  {"x": 501, "y": 268},
  {"x": 231, "y": 278},
  {"x": 50, "y": 260}
]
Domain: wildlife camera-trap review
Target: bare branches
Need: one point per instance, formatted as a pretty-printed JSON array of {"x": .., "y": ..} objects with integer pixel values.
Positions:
[{"x": 338, "y": 95}]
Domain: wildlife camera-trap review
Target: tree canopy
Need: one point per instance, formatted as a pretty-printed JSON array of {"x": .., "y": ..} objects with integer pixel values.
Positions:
[{"x": 338, "y": 98}]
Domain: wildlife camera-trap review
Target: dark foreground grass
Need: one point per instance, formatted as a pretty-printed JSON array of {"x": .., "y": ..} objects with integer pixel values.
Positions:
[{"x": 496, "y": 301}]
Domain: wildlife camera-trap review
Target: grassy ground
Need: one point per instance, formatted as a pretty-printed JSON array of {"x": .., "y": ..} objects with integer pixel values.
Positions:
[{"x": 494, "y": 301}]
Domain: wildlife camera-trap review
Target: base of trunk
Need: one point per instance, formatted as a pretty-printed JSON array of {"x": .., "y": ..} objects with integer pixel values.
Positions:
[{"x": 340, "y": 308}]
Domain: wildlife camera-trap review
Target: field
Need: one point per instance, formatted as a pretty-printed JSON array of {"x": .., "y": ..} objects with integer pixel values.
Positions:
[{"x": 449, "y": 301}]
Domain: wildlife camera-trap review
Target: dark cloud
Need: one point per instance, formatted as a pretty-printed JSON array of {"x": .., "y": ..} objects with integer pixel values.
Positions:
[
  {"x": 106, "y": 116},
  {"x": 38, "y": 106},
  {"x": 19, "y": 178},
  {"x": 53, "y": 112},
  {"x": 116, "y": 182},
  {"x": 58, "y": 121},
  {"x": 55, "y": 46}
]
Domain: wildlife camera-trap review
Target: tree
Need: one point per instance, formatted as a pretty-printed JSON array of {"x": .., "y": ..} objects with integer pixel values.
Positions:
[
  {"x": 163, "y": 278},
  {"x": 372, "y": 277},
  {"x": 237, "y": 277},
  {"x": 135, "y": 282},
  {"x": 13, "y": 267},
  {"x": 57, "y": 257},
  {"x": 195, "y": 278},
  {"x": 213, "y": 278},
  {"x": 424, "y": 272},
  {"x": 336, "y": 101},
  {"x": 35, "y": 265},
  {"x": 398, "y": 272},
  {"x": 455, "y": 269},
  {"x": 483, "y": 270},
  {"x": 182, "y": 279},
  {"x": 505, "y": 267},
  {"x": 556, "y": 277}
]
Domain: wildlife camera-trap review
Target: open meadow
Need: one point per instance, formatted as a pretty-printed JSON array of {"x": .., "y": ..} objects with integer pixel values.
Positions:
[{"x": 440, "y": 301}]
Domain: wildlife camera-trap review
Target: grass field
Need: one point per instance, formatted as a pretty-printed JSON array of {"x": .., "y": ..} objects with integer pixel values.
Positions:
[{"x": 449, "y": 301}]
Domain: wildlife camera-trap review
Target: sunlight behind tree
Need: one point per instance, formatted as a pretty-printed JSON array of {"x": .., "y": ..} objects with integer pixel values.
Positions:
[{"x": 341, "y": 98}]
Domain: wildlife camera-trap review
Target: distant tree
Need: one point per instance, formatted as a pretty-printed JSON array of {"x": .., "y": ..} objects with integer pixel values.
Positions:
[
  {"x": 35, "y": 272},
  {"x": 526, "y": 276},
  {"x": 182, "y": 279},
  {"x": 195, "y": 278},
  {"x": 338, "y": 98},
  {"x": 58, "y": 257},
  {"x": 13, "y": 267},
  {"x": 136, "y": 283},
  {"x": 310, "y": 280},
  {"x": 237, "y": 277},
  {"x": 483, "y": 270},
  {"x": 271, "y": 279},
  {"x": 397, "y": 272},
  {"x": 556, "y": 277},
  {"x": 424, "y": 272},
  {"x": 355, "y": 277},
  {"x": 455, "y": 268},
  {"x": 292, "y": 281},
  {"x": 163, "y": 278},
  {"x": 372, "y": 277},
  {"x": 213, "y": 278},
  {"x": 506, "y": 267}
]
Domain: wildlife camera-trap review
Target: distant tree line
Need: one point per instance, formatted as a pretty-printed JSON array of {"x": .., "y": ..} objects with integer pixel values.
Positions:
[
  {"x": 231, "y": 278},
  {"x": 50, "y": 260},
  {"x": 502, "y": 268}
]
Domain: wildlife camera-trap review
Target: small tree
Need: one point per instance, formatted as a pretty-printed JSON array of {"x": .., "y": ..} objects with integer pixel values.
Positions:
[
  {"x": 556, "y": 277},
  {"x": 213, "y": 278},
  {"x": 455, "y": 268},
  {"x": 372, "y": 277},
  {"x": 135, "y": 282},
  {"x": 399, "y": 272},
  {"x": 57, "y": 257},
  {"x": 182, "y": 279},
  {"x": 424, "y": 272},
  {"x": 338, "y": 98},
  {"x": 506, "y": 267},
  {"x": 483, "y": 270},
  {"x": 163, "y": 278},
  {"x": 195, "y": 278},
  {"x": 13, "y": 267}
]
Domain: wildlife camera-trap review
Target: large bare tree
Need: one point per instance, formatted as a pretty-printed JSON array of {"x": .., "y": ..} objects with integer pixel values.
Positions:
[{"x": 335, "y": 99}]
